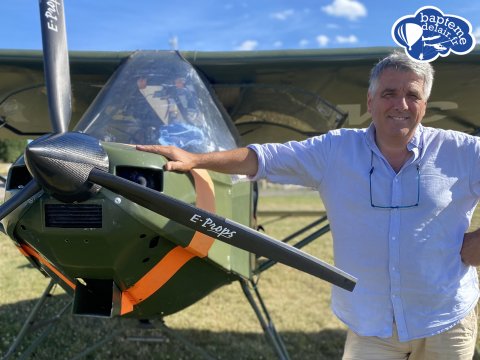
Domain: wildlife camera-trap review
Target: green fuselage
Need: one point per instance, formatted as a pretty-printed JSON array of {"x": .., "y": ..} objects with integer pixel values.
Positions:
[{"x": 110, "y": 239}]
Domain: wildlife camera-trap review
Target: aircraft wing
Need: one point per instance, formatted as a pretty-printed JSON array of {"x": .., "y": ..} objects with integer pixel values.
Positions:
[
  {"x": 23, "y": 97},
  {"x": 278, "y": 96},
  {"x": 270, "y": 95}
]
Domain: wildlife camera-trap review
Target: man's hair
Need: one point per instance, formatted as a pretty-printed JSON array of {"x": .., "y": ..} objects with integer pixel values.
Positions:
[{"x": 400, "y": 61}]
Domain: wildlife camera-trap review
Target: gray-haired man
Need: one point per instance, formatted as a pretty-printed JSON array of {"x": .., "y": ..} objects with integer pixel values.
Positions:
[{"x": 399, "y": 197}]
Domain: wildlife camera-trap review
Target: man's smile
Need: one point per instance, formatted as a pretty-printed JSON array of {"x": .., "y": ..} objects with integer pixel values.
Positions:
[{"x": 399, "y": 118}]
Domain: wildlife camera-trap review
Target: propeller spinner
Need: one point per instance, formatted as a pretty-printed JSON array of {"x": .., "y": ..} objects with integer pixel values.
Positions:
[{"x": 61, "y": 164}]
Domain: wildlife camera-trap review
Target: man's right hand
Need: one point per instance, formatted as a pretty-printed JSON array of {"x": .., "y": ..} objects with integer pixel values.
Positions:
[
  {"x": 179, "y": 160},
  {"x": 236, "y": 161}
]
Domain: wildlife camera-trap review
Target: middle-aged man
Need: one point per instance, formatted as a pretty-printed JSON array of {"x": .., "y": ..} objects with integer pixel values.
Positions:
[{"x": 399, "y": 197}]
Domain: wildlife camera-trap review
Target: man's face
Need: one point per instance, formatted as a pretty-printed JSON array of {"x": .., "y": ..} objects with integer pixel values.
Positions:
[{"x": 398, "y": 105}]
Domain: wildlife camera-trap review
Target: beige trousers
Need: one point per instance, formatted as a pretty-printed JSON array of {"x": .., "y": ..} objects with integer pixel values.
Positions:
[{"x": 458, "y": 343}]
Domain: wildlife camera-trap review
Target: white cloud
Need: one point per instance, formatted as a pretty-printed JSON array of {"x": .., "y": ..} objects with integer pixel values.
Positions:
[
  {"x": 350, "y": 9},
  {"x": 278, "y": 44},
  {"x": 477, "y": 34},
  {"x": 282, "y": 15},
  {"x": 303, "y": 43},
  {"x": 247, "y": 45},
  {"x": 333, "y": 26},
  {"x": 322, "y": 40},
  {"x": 352, "y": 39}
]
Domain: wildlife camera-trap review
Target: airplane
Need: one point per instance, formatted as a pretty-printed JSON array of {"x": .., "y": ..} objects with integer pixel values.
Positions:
[
  {"x": 426, "y": 38},
  {"x": 106, "y": 223}
]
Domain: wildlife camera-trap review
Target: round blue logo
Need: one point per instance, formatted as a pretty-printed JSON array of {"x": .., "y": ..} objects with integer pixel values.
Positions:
[{"x": 430, "y": 33}]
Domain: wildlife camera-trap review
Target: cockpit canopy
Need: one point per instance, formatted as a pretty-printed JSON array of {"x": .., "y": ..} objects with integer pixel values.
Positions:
[{"x": 157, "y": 98}]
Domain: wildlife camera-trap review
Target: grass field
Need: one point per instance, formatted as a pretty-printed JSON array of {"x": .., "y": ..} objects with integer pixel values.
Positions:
[{"x": 222, "y": 324}]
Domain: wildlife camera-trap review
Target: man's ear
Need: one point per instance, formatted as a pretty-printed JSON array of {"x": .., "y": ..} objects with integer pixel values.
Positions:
[{"x": 369, "y": 100}]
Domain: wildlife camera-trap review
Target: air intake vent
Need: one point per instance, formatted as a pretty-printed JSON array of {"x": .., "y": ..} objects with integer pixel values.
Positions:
[
  {"x": 19, "y": 177},
  {"x": 73, "y": 215}
]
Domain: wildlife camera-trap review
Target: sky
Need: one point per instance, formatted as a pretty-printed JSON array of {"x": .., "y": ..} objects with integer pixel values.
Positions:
[{"x": 222, "y": 25}]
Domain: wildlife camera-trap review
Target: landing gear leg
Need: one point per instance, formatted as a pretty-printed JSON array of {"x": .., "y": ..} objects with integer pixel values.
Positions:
[
  {"x": 258, "y": 306},
  {"x": 31, "y": 325}
]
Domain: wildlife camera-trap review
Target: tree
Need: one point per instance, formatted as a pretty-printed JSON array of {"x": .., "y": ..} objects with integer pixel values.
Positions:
[{"x": 11, "y": 149}]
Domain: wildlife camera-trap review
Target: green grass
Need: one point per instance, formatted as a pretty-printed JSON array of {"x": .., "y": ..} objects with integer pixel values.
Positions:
[{"x": 223, "y": 324}]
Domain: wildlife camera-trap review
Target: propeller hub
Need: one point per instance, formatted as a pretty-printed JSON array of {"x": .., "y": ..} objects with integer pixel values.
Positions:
[{"x": 62, "y": 162}]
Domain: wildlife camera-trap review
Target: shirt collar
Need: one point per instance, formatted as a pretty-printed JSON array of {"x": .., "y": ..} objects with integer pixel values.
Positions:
[{"x": 415, "y": 143}]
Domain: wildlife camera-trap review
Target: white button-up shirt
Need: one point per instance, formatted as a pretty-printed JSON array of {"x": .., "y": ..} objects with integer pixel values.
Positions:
[{"x": 406, "y": 256}]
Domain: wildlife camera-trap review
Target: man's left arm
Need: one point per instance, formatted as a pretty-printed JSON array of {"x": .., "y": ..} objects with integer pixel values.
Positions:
[
  {"x": 470, "y": 251},
  {"x": 471, "y": 248}
]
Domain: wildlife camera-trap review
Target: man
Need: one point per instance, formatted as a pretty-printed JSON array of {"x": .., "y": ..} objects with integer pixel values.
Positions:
[{"x": 399, "y": 197}]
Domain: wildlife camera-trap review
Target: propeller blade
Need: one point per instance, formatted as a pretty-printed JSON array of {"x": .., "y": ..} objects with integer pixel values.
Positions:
[
  {"x": 19, "y": 198},
  {"x": 56, "y": 65},
  {"x": 222, "y": 229}
]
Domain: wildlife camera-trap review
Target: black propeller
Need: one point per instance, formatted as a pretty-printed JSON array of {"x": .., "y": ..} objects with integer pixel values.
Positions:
[
  {"x": 56, "y": 65},
  {"x": 73, "y": 167},
  {"x": 19, "y": 198}
]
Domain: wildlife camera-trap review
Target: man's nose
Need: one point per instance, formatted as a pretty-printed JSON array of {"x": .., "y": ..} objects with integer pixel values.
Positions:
[{"x": 401, "y": 103}]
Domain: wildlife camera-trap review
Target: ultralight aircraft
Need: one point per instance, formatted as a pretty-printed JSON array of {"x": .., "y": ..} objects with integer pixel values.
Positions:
[{"x": 116, "y": 232}]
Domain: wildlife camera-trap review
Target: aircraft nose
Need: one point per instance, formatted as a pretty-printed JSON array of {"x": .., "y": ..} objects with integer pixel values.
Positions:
[{"x": 61, "y": 164}]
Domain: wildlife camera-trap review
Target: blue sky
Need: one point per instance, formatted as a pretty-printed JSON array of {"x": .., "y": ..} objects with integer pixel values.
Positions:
[{"x": 222, "y": 25}]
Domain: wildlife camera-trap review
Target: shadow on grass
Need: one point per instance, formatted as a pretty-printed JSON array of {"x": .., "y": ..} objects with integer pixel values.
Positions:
[{"x": 71, "y": 335}]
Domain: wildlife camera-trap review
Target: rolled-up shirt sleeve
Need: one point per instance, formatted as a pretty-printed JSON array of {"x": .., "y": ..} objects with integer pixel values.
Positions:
[
  {"x": 257, "y": 148},
  {"x": 295, "y": 162}
]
